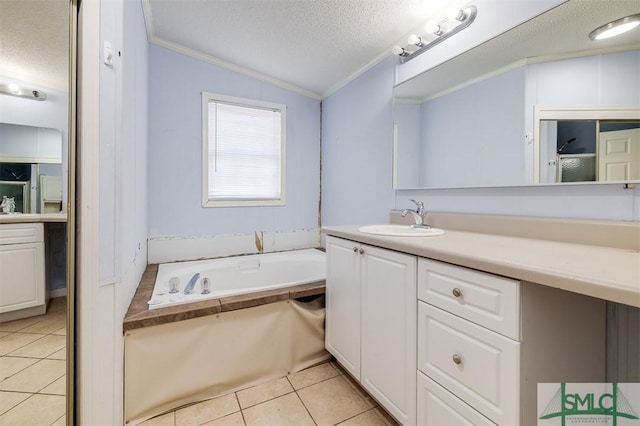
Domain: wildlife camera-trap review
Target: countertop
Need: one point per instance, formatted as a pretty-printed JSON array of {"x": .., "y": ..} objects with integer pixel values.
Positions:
[
  {"x": 607, "y": 273},
  {"x": 31, "y": 218}
]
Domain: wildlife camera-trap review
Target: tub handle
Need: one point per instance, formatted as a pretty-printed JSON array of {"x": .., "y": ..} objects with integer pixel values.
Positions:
[{"x": 192, "y": 282}]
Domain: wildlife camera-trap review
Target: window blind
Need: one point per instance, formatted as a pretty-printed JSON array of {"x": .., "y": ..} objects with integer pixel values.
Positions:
[{"x": 244, "y": 152}]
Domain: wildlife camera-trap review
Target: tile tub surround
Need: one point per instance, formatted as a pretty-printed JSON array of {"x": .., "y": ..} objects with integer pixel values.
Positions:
[
  {"x": 139, "y": 315},
  {"x": 320, "y": 395}
]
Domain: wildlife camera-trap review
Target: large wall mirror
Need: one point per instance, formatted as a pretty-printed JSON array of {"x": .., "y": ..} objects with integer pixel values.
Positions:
[
  {"x": 37, "y": 172},
  {"x": 486, "y": 118}
]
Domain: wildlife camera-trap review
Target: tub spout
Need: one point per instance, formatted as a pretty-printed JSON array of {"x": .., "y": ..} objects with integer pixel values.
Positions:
[{"x": 192, "y": 282}]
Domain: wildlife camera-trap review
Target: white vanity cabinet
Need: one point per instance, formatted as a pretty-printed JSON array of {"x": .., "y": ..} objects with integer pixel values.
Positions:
[
  {"x": 22, "y": 281},
  {"x": 371, "y": 321},
  {"x": 485, "y": 342}
]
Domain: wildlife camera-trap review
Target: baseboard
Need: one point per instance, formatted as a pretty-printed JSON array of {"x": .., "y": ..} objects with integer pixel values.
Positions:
[{"x": 59, "y": 292}]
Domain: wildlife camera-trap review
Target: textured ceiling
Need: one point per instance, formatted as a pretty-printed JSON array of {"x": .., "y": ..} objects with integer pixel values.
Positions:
[
  {"x": 314, "y": 45},
  {"x": 34, "y": 41},
  {"x": 560, "y": 32}
]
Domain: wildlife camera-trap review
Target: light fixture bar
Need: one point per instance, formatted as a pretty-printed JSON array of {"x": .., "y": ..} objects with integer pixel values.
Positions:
[
  {"x": 12, "y": 89},
  {"x": 464, "y": 18}
]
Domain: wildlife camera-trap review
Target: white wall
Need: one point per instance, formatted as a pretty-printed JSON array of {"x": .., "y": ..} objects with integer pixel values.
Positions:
[{"x": 113, "y": 224}]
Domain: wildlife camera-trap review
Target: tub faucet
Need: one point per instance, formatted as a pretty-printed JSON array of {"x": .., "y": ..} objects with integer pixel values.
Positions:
[
  {"x": 192, "y": 282},
  {"x": 418, "y": 214}
]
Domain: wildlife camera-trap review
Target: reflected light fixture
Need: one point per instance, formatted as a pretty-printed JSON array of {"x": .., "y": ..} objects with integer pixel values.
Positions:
[
  {"x": 436, "y": 32},
  {"x": 13, "y": 89},
  {"x": 615, "y": 28}
]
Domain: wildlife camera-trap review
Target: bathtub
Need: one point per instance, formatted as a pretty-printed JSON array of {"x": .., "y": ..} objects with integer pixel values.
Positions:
[{"x": 236, "y": 275}]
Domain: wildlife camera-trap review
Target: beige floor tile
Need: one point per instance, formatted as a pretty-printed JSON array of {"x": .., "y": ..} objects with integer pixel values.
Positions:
[
  {"x": 234, "y": 419},
  {"x": 41, "y": 348},
  {"x": 286, "y": 410},
  {"x": 168, "y": 419},
  {"x": 16, "y": 341},
  {"x": 61, "y": 354},
  {"x": 312, "y": 375},
  {"x": 358, "y": 389},
  {"x": 4, "y": 333},
  {"x": 36, "y": 410},
  {"x": 335, "y": 364},
  {"x": 18, "y": 325},
  {"x": 62, "y": 421},
  {"x": 59, "y": 387},
  {"x": 332, "y": 401},
  {"x": 8, "y": 400},
  {"x": 386, "y": 417},
  {"x": 11, "y": 365},
  {"x": 35, "y": 377},
  {"x": 368, "y": 418},
  {"x": 264, "y": 392},
  {"x": 48, "y": 325},
  {"x": 206, "y": 411},
  {"x": 61, "y": 332}
]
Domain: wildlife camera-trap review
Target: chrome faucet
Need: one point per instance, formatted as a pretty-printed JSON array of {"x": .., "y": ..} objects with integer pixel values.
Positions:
[
  {"x": 192, "y": 282},
  {"x": 418, "y": 214}
]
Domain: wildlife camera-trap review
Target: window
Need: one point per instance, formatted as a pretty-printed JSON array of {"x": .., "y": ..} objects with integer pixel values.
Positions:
[{"x": 243, "y": 152}]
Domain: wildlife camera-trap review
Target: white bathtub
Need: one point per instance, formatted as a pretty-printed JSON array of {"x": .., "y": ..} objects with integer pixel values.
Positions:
[{"x": 237, "y": 275}]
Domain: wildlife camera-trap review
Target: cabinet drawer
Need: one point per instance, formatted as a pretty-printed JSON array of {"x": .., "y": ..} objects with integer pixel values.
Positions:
[
  {"x": 476, "y": 364},
  {"x": 18, "y": 233},
  {"x": 485, "y": 299},
  {"x": 438, "y": 406}
]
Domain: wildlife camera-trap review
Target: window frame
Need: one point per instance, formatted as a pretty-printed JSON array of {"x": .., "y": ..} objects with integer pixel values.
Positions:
[{"x": 250, "y": 103}]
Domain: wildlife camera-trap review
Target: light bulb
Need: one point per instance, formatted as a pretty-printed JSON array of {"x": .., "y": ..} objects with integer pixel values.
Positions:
[
  {"x": 397, "y": 50},
  {"x": 454, "y": 13},
  {"x": 615, "y": 28},
  {"x": 433, "y": 28},
  {"x": 14, "y": 88},
  {"x": 415, "y": 40}
]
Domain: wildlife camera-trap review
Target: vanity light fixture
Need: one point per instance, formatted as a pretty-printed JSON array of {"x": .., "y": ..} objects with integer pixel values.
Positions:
[
  {"x": 13, "y": 89},
  {"x": 436, "y": 32},
  {"x": 615, "y": 28}
]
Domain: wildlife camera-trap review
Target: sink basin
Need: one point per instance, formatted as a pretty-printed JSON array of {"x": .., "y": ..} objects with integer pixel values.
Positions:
[{"x": 400, "y": 231}]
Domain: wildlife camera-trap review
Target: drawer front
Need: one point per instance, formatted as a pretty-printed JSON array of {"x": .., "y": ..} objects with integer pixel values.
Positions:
[
  {"x": 479, "y": 366},
  {"x": 18, "y": 233},
  {"x": 485, "y": 299},
  {"x": 437, "y": 406}
]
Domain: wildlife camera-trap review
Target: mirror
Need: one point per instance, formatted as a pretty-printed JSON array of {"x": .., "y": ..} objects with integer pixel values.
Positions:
[
  {"x": 37, "y": 147},
  {"x": 471, "y": 121}
]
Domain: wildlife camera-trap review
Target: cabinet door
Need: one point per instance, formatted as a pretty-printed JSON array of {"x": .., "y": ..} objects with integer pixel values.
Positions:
[
  {"x": 437, "y": 406},
  {"x": 343, "y": 303},
  {"x": 388, "y": 369},
  {"x": 21, "y": 276}
]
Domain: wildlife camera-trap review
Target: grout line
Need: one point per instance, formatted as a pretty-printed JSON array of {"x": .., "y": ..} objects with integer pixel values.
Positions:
[
  {"x": 306, "y": 409},
  {"x": 54, "y": 422}
]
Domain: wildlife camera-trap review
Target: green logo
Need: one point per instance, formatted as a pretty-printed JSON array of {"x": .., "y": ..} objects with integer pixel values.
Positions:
[{"x": 588, "y": 404}]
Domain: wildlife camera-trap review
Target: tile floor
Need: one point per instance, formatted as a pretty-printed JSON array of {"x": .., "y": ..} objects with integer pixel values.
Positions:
[
  {"x": 320, "y": 395},
  {"x": 33, "y": 368}
]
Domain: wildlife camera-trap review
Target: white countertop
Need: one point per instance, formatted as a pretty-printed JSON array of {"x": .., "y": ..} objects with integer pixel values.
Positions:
[
  {"x": 30, "y": 218},
  {"x": 606, "y": 273}
]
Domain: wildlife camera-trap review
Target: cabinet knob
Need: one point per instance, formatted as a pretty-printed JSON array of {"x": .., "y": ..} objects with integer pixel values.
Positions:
[
  {"x": 361, "y": 251},
  {"x": 456, "y": 292},
  {"x": 355, "y": 249},
  {"x": 457, "y": 359}
]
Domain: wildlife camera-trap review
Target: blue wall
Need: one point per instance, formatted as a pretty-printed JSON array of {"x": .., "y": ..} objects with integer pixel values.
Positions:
[
  {"x": 176, "y": 82},
  {"x": 357, "y": 146}
]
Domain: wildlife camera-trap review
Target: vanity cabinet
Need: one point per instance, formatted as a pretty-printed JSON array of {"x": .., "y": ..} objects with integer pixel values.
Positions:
[
  {"x": 371, "y": 321},
  {"x": 22, "y": 281},
  {"x": 485, "y": 342}
]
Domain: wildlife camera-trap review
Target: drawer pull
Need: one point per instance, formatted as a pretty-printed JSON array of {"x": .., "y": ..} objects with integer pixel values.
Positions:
[
  {"x": 456, "y": 292},
  {"x": 457, "y": 359},
  {"x": 361, "y": 251},
  {"x": 355, "y": 249}
]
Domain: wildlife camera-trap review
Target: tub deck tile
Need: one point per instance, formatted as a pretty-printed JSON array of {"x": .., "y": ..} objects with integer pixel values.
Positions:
[{"x": 139, "y": 315}]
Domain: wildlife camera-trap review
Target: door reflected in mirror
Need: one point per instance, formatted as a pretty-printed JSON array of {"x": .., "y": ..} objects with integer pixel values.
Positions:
[{"x": 590, "y": 151}]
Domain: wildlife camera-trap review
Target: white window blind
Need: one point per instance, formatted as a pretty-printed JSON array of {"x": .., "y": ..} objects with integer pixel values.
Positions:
[{"x": 244, "y": 152}]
